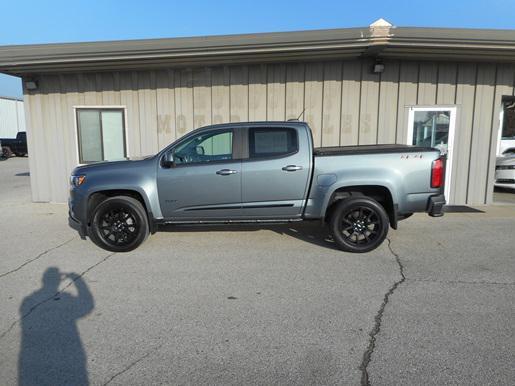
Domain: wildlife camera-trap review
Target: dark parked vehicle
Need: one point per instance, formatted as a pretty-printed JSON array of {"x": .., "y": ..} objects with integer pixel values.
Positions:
[
  {"x": 15, "y": 146},
  {"x": 257, "y": 172}
]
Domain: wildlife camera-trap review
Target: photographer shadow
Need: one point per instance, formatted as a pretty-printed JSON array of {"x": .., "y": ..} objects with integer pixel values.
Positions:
[{"x": 51, "y": 351}]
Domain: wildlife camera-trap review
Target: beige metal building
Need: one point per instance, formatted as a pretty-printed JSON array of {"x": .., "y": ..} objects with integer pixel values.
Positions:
[{"x": 378, "y": 84}]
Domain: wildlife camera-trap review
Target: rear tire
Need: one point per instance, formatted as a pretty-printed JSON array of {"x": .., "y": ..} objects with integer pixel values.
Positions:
[
  {"x": 359, "y": 224},
  {"x": 119, "y": 224}
]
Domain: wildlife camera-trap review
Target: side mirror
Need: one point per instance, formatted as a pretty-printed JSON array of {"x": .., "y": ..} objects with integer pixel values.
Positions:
[
  {"x": 168, "y": 160},
  {"x": 200, "y": 150}
]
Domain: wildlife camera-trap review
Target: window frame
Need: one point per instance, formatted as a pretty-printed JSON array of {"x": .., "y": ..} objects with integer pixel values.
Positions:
[
  {"x": 122, "y": 109},
  {"x": 269, "y": 156},
  {"x": 193, "y": 134}
]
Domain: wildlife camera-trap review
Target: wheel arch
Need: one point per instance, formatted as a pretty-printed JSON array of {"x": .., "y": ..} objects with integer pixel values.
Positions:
[
  {"x": 98, "y": 196},
  {"x": 380, "y": 193}
]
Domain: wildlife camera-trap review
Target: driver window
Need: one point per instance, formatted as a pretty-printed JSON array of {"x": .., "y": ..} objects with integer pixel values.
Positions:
[{"x": 207, "y": 147}]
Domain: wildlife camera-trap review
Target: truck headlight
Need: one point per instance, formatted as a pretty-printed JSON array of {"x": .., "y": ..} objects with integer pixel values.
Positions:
[{"x": 77, "y": 180}]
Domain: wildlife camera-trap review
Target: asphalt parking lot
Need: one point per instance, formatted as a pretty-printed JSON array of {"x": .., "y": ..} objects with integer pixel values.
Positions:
[
  {"x": 504, "y": 196},
  {"x": 255, "y": 305}
]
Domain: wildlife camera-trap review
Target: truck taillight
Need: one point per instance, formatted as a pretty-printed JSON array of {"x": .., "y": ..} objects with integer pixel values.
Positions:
[{"x": 437, "y": 173}]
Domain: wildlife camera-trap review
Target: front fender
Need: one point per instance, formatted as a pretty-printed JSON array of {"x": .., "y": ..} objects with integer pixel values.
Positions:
[
  {"x": 138, "y": 177},
  {"x": 146, "y": 195}
]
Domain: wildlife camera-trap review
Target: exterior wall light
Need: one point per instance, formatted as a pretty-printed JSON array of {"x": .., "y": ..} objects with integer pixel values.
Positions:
[
  {"x": 378, "y": 68},
  {"x": 31, "y": 85}
]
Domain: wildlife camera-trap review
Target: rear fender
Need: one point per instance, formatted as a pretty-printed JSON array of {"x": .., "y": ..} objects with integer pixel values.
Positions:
[{"x": 340, "y": 191}]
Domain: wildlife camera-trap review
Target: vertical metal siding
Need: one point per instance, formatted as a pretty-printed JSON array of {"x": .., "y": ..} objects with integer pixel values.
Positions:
[
  {"x": 295, "y": 74},
  {"x": 446, "y": 87},
  {"x": 165, "y": 100},
  {"x": 332, "y": 94},
  {"x": 239, "y": 94},
  {"x": 276, "y": 92},
  {"x": 465, "y": 94},
  {"x": 368, "y": 113},
  {"x": 351, "y": 98},
  {"x": 388, "y": 94},
  {"x": 428, "y": 75},
  {"x": 129, "y": 98},
  {"x": 220, "y": 95},
  {"x": 481, "y": 129},
  {"x": 408, "y": 88},
  {"x": 313, "y": 99},
  {"x": 38, "y": 157},
  {"x": 343, "y": 101},
  {"x": 53, "y": 140},
  {"x": 257, "y": 92}
]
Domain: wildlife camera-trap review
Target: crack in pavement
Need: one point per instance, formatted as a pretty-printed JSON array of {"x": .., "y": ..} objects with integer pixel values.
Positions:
[
  {"x": 461, "y": 282},
  {"x": 54, "y": 295},
  {"x": 36, "y": 258},
  {"x": 367, "y": 355},
  {"x": 132, "y": 364}
]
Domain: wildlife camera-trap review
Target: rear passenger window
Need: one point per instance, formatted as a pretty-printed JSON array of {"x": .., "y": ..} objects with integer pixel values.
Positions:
[{"x": 271, "y": 142}]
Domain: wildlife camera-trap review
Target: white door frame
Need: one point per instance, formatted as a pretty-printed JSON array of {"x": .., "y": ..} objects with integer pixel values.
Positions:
[
  {"x": 502, "y": 144},
  {"x": 450, "y": 141},
  {"x": 499, "y": 131}
]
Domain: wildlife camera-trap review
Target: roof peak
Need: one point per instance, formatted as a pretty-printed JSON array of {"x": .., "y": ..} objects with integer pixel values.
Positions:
[{"x": 381, "y": 23}]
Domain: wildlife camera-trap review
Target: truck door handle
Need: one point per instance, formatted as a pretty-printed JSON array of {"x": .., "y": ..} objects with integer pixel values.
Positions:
[
  {"x": 292, "y": 168},
  {"x": 226, "y": 172}
]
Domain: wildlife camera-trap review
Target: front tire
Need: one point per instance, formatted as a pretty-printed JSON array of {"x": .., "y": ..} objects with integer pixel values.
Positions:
[
  {"x": 119, "y": 224},
  {"x": 7, "y": 153},
  {"x": 359, "y": 224}
]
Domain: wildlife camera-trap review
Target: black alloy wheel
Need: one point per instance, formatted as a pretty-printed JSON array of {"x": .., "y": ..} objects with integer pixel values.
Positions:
[
  {"x": 119, "y": 224},
  {"x": 359, "y": 224}
]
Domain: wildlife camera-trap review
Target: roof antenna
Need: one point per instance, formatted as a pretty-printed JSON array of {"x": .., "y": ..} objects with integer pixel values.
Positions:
[
  {"x": 304, "y": 109},
  {"x": 296, "y": 119}
]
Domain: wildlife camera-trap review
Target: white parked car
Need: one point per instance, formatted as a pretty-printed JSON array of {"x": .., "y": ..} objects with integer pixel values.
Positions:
[{"x": 505, "y": 170}]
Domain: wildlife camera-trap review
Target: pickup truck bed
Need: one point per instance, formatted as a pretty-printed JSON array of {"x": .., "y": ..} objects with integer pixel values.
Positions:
[{"x": 368, "y": 149}]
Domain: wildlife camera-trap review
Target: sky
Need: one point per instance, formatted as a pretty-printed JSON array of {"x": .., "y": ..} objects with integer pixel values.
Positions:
[{"x": 58, "y": 21}]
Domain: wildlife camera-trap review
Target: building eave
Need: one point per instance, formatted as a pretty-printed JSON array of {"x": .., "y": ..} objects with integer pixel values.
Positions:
[{"x": 388, "y": 42}]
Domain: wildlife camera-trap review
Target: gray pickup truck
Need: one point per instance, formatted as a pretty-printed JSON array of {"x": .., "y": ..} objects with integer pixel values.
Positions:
[{"x": 257, "y": 172}]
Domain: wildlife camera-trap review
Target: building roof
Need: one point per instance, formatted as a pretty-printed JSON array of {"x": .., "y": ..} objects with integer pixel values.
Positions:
[
  {"x": 16, "y": 99},
  {"x": 378, "y": 40}
]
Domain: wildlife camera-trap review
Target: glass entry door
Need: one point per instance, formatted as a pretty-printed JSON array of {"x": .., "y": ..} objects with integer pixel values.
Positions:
[{"x": 434, "y": 127}]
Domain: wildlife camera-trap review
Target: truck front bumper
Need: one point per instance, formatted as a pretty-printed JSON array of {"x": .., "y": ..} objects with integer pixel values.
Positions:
[
  {"x": 76, "y": 225},
  {"x": 77, "y": 209},
  {"x": 435, "y": 205}
]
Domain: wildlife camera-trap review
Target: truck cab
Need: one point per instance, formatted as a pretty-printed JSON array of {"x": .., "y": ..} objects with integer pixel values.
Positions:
[{"x": 262, "y": 171}]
